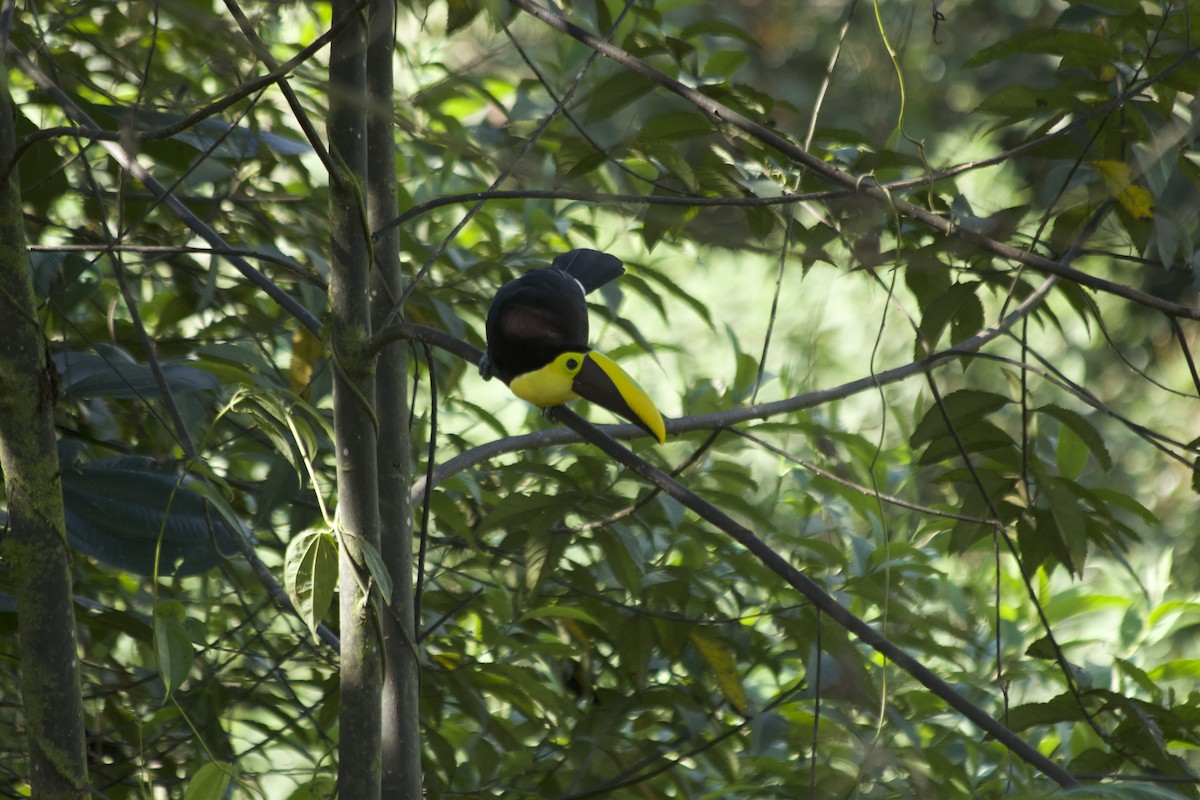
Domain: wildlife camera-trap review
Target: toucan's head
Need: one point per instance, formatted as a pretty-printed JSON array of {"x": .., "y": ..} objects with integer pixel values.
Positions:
[{"x": 595, "y": 377}]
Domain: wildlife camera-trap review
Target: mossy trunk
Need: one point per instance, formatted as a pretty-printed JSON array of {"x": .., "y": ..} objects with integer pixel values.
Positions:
[{"x": 33, "y": 544}]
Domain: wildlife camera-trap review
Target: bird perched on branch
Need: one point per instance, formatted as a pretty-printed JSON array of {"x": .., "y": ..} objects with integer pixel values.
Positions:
[{"x": 537, "y": 341}]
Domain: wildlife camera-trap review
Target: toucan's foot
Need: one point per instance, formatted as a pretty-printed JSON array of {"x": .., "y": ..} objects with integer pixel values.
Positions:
[{"x": 485, "y": 367}]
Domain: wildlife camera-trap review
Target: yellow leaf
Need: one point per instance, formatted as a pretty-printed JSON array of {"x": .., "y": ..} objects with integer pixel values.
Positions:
[
  {"x": 306, "y": 348},
  {"x": 724, "y": 667},
  {"x": 1118, "y": 177}
]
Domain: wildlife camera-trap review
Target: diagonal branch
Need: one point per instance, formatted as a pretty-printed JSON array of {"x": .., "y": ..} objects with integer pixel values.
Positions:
[
  {"x": 816, "y": 595},
  {"x": 747, "y": 538}
]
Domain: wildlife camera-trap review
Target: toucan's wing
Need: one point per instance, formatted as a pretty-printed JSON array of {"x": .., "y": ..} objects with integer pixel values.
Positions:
[
  {"x": 591, "y": 268},
  {"x": 534, "y": 318}
]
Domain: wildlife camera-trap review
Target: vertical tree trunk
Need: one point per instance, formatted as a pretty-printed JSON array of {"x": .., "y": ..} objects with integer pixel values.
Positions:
[
  {"x": 401, "y": 718},
  {"x": 34, "y": 544},
  {"x": 354, "y": 417}
]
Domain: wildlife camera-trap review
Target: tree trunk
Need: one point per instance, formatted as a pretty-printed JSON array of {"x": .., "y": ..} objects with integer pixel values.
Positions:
[
  {"x": 354, "y": 418},
  {"x": 34, "y": 543},
  {"x": 401, "y": 718}
]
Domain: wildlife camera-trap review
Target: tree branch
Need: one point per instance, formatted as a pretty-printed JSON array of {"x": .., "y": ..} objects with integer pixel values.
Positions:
[
  {"x": 862, "y": 184},
  {"x": 816, "y": 595},
  {"x": 715, "y": 419}
]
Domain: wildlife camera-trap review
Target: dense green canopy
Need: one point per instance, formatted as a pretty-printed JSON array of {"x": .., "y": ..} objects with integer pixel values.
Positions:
[{"x": 913, "y": 285}]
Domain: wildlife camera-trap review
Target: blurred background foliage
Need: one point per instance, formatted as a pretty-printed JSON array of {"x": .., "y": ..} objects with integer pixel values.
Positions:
[{"x": 582, "y": 636}]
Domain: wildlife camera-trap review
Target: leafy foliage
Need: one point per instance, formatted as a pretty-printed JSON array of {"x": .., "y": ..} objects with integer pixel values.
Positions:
[{"x": 991, "y": 467}]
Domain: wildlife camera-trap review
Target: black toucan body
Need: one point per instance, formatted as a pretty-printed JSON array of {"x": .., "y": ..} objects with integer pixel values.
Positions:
[{"x": 537, "y": 334}]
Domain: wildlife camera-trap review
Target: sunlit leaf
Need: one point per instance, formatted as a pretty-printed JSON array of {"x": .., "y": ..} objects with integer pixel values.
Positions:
[
  {"x": 310, "y": 570},
  {"x": 1118, "y": 177},
  {"x": 723, "y": 665},
  {"x": 210, "y": 782}
]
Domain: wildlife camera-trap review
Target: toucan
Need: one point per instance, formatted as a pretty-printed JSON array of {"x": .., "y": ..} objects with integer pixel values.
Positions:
[{"x": 537, "y": 334}]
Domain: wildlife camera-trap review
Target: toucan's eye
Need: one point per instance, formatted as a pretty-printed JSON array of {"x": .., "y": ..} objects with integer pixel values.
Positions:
[{"x": 572, "y": 363}]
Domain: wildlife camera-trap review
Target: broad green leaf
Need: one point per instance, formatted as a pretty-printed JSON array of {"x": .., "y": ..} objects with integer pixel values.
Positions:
[
  {"x": 172, "y": 644},
  {"x": 1098, "y": 50},
  {"x": 1071, "y": 454},
  {"x": 635, "y": 645},
  {"x": 958, "y": 306},
  {"x": 210, "y": 782},
  {"x": 977, "y": 438},
  {"x": 1069, "y": 519},
  {"x": 135, "y": 513},
  {"x": 712, "y": 26},
  {"x": 1020, "y": 102},
  {"x": 310, "y": 570},
  {"x": 1084, "y": 431},
  {"x": 725, "y": 62},
  {"x": 1064, "y": 708},
  {"x": 460, "y": 13},
  {"x": 964, "y": 408},
  {"x": 623, "y": 557},
  {"x": 324, "y": 787},
  {"x": 673, "y": 126},
  {"x": 724, "y": 666},
  {"x": 560, "y": 611},
  {"x": 577, "y": 157},
  {"x": 541, "y": 555},
  {"x": 615, "y": 93},
  {"x": 1138, "y": 676},
  {"x": 112, "y": 373}
]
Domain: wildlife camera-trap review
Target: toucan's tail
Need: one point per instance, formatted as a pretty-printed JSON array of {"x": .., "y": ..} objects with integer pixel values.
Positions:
[{"x": 591, "y": 268}]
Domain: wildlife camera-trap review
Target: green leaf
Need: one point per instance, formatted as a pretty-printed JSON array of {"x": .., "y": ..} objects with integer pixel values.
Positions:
[
  {"x": 210, "y": 782},
  {"x": 560, "y": 611},
  {"x": 1020, "y": 102},
  {"x": 724, "y": 666},
  {"x": 324, "y": 787},
  {"x": 310, "y": 570},
  {"x": 460, "y": 13},
  {"x": 1088, "y": 47},
  {"x": 964, "y": 407},
  {"x": 135, "y": 514},
  {"x": 674, "y": 126},
  {"x": 378, "y": 570},
  {"x": 725, "y": 62},
  {"x": 112, "y": 372},
  {"x": 615, "y": 93},
  {"x": 172, "y": 644},
  {"x": 1084, "y": 431},
  {"x": 958, "y": 306},
  {"x": 622, "y": 555},
  {"x": 1070, "y": 455},
  {"x": 576, "y": 157},
  {"x": 1064, "y": 708},
  {"x": 976, "y": 438},
  {"x": 711, "y": 26},
  {"x": 1069, "y": 520},
  {"x": 542, "y": 551}
]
